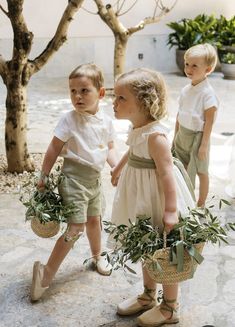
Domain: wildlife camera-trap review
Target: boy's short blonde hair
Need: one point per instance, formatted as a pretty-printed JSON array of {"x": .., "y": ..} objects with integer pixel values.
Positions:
[
  {"x": 206, "y": 51},
  {"x": 149, "y": 88},
  {"x": 90, "y": 71}
]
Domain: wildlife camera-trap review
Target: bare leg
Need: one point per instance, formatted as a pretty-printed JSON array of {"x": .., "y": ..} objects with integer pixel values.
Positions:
[
  {"x": 93, "y": 230},
  {"x": 170, "y": 295},
  {"x": 149, "y": 283},
  {"x": 203, "y": 189},
  {"x": 61, "y": 249}
]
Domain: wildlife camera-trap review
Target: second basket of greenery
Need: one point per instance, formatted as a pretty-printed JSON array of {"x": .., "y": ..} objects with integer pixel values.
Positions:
[{"x": 168, "y": 259}]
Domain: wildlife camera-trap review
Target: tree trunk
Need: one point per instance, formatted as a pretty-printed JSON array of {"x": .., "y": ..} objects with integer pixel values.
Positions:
[
  {"x": 16, "y": 129},
  {"x": 120, "y": 54}
]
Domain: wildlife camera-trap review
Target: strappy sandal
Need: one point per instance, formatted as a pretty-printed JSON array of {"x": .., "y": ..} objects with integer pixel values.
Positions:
[
  {"x": 155, "y": 318},
  {"x": 36, "y": 289},
  {"x": 142, "y": 302}
]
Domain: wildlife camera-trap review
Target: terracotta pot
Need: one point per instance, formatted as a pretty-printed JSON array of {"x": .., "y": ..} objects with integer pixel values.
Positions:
[
  {"x": 180, "y": 59},
  {"x": 228, "y": 70}
]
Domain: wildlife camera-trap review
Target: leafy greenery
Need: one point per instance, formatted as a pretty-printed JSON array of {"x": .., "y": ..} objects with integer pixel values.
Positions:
[
  {"x": 139, "y": 241},
  {"x": 202, "y": 29},
  {"x": 189, "y": 32},
  {"x": 228, "y": 58},
  {"x": 225, "y": 32},
  {"x": 46, "y": 205}
]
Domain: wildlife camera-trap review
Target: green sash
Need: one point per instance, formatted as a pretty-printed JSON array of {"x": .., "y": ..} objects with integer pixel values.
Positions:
[{"x": 138, "y": 162}]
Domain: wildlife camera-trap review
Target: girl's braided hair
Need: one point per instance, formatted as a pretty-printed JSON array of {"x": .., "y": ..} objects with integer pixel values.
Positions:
[{"x": 149, "y": 89}]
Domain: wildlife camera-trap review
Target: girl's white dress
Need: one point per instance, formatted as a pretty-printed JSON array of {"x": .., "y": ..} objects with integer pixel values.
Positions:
[{"x": 139, "y": 190}]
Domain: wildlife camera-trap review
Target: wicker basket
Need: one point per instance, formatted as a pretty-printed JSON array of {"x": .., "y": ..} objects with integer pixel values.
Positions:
[
  {"x": 168, "y": 274},
  {"x": 45, "y": 230}
]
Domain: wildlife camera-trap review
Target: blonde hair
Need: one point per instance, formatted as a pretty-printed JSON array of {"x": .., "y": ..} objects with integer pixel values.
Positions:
[
  {"x": 206, "y": 51},
  {"x": 90, "y": 71},
  {"x": 149, "y": 88}
]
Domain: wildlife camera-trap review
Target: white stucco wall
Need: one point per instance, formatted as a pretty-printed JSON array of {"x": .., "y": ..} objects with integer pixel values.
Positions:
[{"x": 89, "y": 39}]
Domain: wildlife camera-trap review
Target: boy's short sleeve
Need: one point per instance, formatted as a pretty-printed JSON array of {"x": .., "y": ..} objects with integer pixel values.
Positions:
[
  {"x": 210, "y": 100},
  {"x": 62, "y": 130}
]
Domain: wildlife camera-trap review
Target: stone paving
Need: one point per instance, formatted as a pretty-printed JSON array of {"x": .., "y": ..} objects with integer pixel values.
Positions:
[{"x": 78, "y": 295}]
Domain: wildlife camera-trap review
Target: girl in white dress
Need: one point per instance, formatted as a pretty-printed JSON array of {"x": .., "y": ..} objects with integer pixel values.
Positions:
[{"x": 149, "y": 183}]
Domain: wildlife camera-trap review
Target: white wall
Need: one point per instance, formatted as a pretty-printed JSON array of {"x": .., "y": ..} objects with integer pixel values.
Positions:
[{"x": 89, "y": 39}]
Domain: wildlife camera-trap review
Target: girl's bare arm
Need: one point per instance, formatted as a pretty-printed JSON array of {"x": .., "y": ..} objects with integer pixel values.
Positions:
[{"x": 159, "y": 150}]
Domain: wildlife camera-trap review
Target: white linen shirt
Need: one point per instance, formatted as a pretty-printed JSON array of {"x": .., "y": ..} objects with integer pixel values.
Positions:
[
  {"x": 86, "y": 137},
  {"x": 193, "y": 101}
]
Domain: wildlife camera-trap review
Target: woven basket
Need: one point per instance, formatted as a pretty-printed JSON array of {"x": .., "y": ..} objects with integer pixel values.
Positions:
[
  {"x": 169, "y": 274},
  {"x": 45, "y": 230}
]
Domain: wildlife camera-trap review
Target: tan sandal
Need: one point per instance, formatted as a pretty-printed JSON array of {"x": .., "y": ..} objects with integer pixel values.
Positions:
[
  {"x": 102, "y": 266},
  {"x": 155, "y": 318},
  {"x": 142, "y": 302},
  {"x": 36, "y": 289}
]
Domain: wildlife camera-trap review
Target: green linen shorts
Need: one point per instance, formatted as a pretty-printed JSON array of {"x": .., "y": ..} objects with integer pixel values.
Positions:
[
  {"x": 81, "y": 185},
  {"x": 186, "y": 145}
]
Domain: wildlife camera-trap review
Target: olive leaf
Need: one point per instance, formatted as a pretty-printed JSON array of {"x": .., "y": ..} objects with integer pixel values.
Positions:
[
  {"x": 139, "y": 240},
  {"x": 47, "y": 205}
]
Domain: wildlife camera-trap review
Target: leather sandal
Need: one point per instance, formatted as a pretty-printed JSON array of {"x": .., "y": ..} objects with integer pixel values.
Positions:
[
  {"x": 142, "y": 302},
  {"x": 102, "y": 266},
  {"x": 36, "y": 289},
  {"x": 155, "y": 318}
]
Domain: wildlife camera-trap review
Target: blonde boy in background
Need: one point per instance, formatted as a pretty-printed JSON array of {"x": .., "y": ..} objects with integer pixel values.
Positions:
[{"x": 198, "y": 105}]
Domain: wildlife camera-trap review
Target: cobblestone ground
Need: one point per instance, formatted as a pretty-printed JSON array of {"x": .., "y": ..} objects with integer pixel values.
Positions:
[{"x": 79, "y": 296}]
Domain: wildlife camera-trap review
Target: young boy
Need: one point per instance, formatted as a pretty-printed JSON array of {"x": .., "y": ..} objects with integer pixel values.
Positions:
[
  {"x": 84, "y": 137},
  {"x": 198, "y": 105}
]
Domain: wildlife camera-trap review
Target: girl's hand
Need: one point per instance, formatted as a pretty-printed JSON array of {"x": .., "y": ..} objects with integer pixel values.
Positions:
[
  {"x": 115, "y": 173},
  {"x": 202, "y": 152},
  {"x": 169, "y": 220}
]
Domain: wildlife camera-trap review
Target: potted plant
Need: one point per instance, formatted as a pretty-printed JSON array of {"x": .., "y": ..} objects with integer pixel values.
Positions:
[
  {"x": 45, "y": 210},
  {"x": 189, "y": 32},
  {"x": 225, "y": 41},
  {"x": 225, "y": 35},
  {"x": 228, "y": 65},
  {"x": 141, "y": 242}
]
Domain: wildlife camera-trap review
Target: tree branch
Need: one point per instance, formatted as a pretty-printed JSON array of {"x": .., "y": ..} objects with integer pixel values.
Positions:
[
  {"x": 4, "y": 11},
  {"x": 108, "y": 15},
  {"x": 59, "y": 38},
  {"x": 151, "y": 20}
]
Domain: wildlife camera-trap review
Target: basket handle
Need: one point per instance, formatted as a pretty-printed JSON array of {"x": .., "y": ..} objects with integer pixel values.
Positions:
[{"x": 165, "y": 237}]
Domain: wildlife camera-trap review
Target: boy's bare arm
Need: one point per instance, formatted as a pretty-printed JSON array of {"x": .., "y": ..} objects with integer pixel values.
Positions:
[
  {"x": 176, "y": 130},
  {"x": 112, "y": 158},
  {"x": 51, "y": 155},
  {"x": 209, "y": 120}
]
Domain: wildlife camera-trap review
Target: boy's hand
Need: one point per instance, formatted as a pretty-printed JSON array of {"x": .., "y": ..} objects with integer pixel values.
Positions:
[
  {"x": 115, "y": 173},
  {"x": 41, "y": 184},
  {"x": 169, "y": 220},
  {"x": 202, "y": 152}
]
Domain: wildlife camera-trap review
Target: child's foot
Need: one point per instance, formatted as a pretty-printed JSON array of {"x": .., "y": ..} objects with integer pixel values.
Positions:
[
  {"x": 102, "y": 266},
  {"x": 159, "y": 315},
  {"x": 137, "y": 304},
  {"x": 36, "y": 288}
]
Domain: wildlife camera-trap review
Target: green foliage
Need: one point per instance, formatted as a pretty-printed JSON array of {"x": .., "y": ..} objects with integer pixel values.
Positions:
[
  {"x": 189, "y": 32},
  {"x": 139, "y": 241},
  {"x": 225, "y": 32},
  {"x": 46, "y": 205},
  {"x": 202, "y": 29},
  {"x": 228, "y": 58}
]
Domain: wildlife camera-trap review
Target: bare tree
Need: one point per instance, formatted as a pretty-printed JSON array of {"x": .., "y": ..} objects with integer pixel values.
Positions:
[
  {"x": 16, "y": 74},
  {"x": 110, "y": 15}
]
